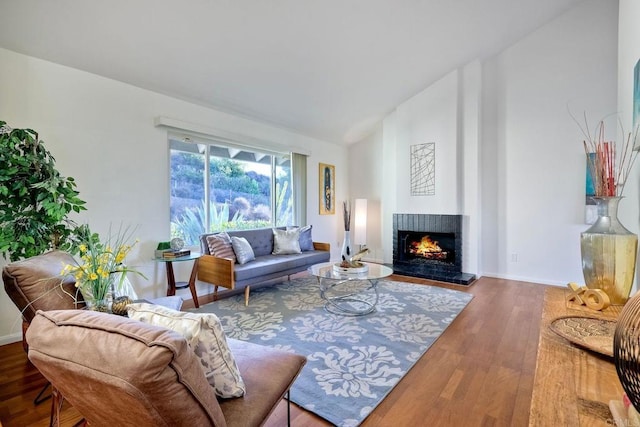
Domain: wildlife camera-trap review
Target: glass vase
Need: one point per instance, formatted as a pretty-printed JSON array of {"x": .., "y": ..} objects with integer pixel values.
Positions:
[
  {"x": 609, "y": 253},
  {"x": 98, "y": 297},
  {"x": 103, "y": 305}
]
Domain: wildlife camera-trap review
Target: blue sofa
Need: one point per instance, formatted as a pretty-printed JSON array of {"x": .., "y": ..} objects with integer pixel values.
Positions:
[{"x": 223, "y": 272}]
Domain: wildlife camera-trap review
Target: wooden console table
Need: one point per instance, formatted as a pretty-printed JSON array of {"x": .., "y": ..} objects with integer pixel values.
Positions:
[{"x": 572, "y": 386}]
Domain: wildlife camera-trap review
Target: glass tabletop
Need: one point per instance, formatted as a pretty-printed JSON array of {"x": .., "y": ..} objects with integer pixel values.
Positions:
[
  {"x": 191, "y": 256},
  {"x": 326, "y": 270}
]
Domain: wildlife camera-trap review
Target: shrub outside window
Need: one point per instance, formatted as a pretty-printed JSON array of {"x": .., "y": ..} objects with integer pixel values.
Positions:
[{"x": 243, "y": 189}]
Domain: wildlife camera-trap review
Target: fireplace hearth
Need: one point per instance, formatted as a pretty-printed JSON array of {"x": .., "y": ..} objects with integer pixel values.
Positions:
[{"x": 430, "y": 247}]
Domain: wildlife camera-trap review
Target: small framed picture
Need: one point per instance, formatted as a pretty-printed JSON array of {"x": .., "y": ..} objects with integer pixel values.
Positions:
[{"x": 327, "y": 179}]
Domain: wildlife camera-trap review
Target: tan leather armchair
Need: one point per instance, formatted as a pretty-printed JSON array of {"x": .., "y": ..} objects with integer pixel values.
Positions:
[
  {"x": 35, "y": 284},
  {"x": 118, "y": 371}
]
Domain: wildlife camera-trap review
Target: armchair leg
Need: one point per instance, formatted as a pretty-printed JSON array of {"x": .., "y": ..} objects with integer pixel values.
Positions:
[
  {"x": 39, "y": 398},
  {"x": 288, "y": 408},
  {"x": 56, "y": 406},
  {"x": 246, "y": 296}
]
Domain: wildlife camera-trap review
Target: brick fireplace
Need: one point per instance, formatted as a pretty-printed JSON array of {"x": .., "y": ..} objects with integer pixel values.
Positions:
[{"x": 430, "y": 247}]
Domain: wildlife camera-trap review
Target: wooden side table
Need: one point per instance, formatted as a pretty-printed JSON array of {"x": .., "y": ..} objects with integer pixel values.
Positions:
[
  {"x": 172, "y": 285},
  {"x": 572, "y": 385}
]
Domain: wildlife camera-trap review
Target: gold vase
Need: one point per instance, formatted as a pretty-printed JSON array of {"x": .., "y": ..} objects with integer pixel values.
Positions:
[{"x": 609, "y": 253}]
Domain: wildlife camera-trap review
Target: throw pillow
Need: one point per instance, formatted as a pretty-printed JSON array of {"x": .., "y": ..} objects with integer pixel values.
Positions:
[
  {"x": 286, "y": 241},
  {"x": 220, "y": 246},
  {"x": 205, "y": 336},
  {"x": 243, "y": 250},
  {"x": 306, "y": 241}
]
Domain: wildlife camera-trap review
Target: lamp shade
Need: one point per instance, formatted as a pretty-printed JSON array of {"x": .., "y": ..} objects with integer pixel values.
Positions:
[{"x": 360, "y": 223}]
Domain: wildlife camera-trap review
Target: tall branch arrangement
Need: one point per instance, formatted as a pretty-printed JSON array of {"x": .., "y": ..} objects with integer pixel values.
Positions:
[
  {"x": 608, "y": 167},
  {"x": 346, "y": 214}
]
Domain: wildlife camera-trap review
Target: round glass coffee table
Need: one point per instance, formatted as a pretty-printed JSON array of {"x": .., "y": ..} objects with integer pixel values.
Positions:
[{"x": 345, "y": 292}]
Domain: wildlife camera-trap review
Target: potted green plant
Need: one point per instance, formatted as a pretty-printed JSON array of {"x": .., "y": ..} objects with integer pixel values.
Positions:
[{"x": 35, "y": 200}]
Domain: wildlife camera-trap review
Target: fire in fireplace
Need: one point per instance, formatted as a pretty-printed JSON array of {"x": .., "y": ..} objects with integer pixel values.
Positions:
[
  {"x": 424, "y": 247},
  {"x": 429, "y": 246},
  {"x": 427, "y": 249}
]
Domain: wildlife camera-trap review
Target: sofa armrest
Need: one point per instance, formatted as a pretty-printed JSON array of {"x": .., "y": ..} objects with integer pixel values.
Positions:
[
  {"x": 320, "y": 246},
  {"x": 217, "y": 271}
]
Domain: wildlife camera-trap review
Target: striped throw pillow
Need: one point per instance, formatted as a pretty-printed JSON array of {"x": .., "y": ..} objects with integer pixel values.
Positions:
[{"x": 220, "y": 246}]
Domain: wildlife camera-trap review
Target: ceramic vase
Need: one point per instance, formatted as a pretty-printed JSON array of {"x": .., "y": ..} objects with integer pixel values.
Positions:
[
  {"x": 346, "y": 253},
  {"x": 609, "y": 253}
]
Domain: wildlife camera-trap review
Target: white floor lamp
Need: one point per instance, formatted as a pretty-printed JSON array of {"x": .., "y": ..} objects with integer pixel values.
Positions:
[{"x": 360, "y": 223}]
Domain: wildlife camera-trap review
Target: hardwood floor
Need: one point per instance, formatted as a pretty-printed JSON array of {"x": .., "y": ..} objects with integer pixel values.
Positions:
[{"x": 478, "y": 373}]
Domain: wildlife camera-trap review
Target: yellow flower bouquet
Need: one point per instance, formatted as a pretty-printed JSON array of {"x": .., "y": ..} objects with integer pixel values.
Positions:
[{"x": 101, "y": 270}]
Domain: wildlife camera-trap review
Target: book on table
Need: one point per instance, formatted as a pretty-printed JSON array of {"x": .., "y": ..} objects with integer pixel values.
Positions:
[{"x": 175, "y": 254}]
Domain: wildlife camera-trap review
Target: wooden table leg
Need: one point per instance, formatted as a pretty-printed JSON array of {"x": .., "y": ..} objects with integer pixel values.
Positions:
[
  {"x": 171, "y": 279},
  {"x": 192, "y": 283}
]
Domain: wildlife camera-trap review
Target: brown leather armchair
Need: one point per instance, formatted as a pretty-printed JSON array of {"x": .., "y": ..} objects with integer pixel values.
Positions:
[
  {"x": 35, "y": 284},
  {"x": 119, "y": 371}
]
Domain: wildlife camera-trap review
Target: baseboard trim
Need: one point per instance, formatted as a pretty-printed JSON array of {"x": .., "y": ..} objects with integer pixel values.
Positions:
[
  {"x": 525, "y": 279},
  {"x": 10, "y": 339}
]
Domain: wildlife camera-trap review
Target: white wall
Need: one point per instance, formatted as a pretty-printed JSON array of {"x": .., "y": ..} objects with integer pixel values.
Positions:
[
  {"x": 366, "y": 182},
  {"x": 448, "y": 114},
  {"x": 429, "y": 116},
  {"x": 508, "y": 155},
  {"x": 628, "y": 56},
  {"x": 539, "y": 168},
  {"x": 470, "y": 162},
  {"x": 102, "y": 133}
]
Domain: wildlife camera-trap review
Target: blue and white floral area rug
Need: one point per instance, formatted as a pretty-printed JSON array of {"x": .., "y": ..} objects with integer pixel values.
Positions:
[{"x": 352, "y": 362}]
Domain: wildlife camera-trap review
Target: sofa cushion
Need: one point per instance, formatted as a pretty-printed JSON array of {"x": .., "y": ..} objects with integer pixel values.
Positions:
[
  {"x": 242, "y": 248},
  {"x": 204, "y": 333},
  {"x": 220, "y": 245},
  {"x": 138, "y": 371},
  {"x": 260, "y": 239},
  {"x": 286, "y": 241},
  {"x": 271, "y": 264}
]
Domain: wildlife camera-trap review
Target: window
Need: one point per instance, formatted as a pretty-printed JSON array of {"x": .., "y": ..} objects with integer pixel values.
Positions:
[{"x": 242, "y": 189}]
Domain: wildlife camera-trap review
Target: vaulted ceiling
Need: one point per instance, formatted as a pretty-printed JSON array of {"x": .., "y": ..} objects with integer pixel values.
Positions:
[{"x": 330, "y": 69}]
